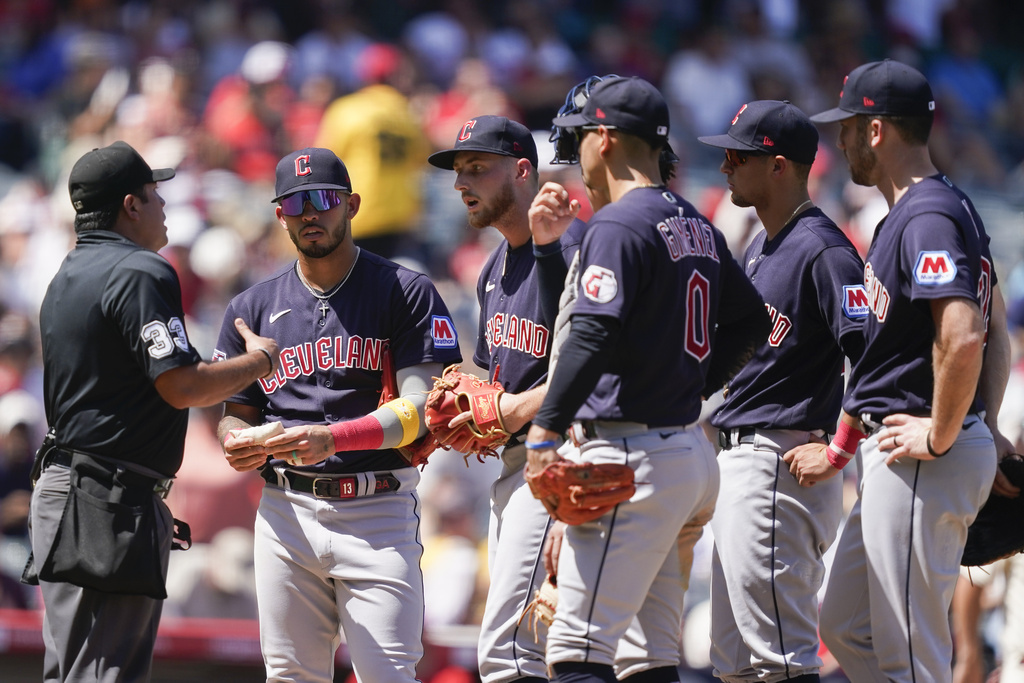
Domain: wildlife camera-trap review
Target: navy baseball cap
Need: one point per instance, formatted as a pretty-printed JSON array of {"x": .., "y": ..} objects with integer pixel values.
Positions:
[
  {"x": 491, "y": 134},
  {"x": 105, "y": 175},
  {"x": 312, "y": 168},
  {"x": 886, "y": 88},
  {"x": 631, "y": 105},
  {"x": 772, "y": 127}
]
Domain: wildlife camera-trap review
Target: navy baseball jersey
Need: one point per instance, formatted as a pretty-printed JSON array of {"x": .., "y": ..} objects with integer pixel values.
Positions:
[
  {"x": 111, "y": 323},
  {"x": 331, "y": 350},
  {"x": 827, "y": 302},
  {"x": 932, "y": 245},
  {"x": 514, "y": 340},
  {"x": 656, "y": 264}
]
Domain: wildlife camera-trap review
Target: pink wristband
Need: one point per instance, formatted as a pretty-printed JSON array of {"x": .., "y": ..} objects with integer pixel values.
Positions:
[
  {"x": 844, "y": 445},
  {"x": 835, "y": 458},
  {"x": 361, "y": 434}
]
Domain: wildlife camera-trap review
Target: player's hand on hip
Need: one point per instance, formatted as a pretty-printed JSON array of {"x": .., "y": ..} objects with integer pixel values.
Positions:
[
  {"x": 302, "y": 445},
  {"x": 553, "y": 547},
  {"x": 905, "y": 436},
  {"x": 254, "y": 342},
  {"x": 809, "y": 463},
  {"x": 243, "y": 453},
  {"x": 551, "y": 213}
]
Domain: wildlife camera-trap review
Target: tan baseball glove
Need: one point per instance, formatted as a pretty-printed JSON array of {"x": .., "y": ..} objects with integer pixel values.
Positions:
[
  {"x": 542, "y": 607},
  {"x": 576, "y": 493},
  {"x": 454, "y": 393}
]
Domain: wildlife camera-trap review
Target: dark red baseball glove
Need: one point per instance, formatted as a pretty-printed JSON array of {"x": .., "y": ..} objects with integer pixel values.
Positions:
[
  {"x": 998, "y": 530},
  {"x": 576, "y": 493},
  {"x": 454, "y": 393}
]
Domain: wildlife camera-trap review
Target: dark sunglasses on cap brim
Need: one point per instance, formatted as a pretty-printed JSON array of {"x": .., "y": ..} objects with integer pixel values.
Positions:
[{"x": 322, "y": 200}]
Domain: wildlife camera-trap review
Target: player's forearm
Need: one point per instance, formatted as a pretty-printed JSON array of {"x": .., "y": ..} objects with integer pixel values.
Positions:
[
  {"x": 206, "y": 384},
  {"x": 582, "y": 361},
  {"x": 228, "y": 423},
  {"x": 396, "y": 423},
  {"x": 518, "y": 409},
  {"x": 735, "y": 344},
  {"x": 551, "y": 271},
  {"x": 957, "y": 361}
]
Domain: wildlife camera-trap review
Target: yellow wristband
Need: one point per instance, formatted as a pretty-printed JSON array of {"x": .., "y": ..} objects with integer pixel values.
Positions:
[{"x": 408, "y": 416}]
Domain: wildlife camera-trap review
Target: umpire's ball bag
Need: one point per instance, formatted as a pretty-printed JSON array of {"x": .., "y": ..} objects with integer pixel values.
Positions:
[{"x": 111, "y": 538}]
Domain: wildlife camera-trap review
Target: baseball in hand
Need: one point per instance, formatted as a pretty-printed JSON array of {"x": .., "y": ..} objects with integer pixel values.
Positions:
[{"x": 259, "y": 433}]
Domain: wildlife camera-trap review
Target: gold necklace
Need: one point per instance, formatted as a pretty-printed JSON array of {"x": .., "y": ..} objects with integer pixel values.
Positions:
[
  {"x": 796, "y": 211},
  {"x": 324, "y": 296}
]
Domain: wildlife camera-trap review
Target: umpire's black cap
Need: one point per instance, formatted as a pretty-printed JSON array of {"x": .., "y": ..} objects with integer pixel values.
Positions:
[
  {"x": 886, "y": 88},
  {"x": 491, "y": 134},
  {"x": 105, "y": 175},
  {"x": 631, "y": 105},
  {"x": 311, "y": 168},
  {"x": 770, "y": 127}
]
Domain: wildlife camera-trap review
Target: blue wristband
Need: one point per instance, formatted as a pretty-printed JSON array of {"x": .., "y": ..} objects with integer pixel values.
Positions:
[{"x": 539, "y": 445}]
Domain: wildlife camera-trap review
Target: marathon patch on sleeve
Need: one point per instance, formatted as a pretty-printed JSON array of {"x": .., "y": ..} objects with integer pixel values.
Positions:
[
  {"x": 599, "y": 284},
  {"x": 442, "y": 329},
  {"x": 934, "y": 268},
  {"x": 856, "y": 304}
]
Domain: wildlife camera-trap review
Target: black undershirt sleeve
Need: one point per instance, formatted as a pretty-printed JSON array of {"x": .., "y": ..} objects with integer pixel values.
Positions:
[
  {"x": 551, "y": 272},
  {"x": 581, "y": 362}
]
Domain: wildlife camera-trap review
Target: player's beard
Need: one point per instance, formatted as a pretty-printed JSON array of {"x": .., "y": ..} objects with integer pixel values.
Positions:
[
  {"x": 861, "y": 158},
  {"x": 324, "y": 247},
  {"x": 739, "y": 200},
  {"x": 491, "y": 214}
]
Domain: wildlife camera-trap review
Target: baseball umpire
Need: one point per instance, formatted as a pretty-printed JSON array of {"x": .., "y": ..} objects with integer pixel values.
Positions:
[
  {"x": 495, "y": 164},
  {"x": 770, "y": 533},
  {"x": 337, "y": 528},
  {"x": 656, "y": 282},
  {"x": 915, "y": 407},
  {"x": 117, "y": 404}
]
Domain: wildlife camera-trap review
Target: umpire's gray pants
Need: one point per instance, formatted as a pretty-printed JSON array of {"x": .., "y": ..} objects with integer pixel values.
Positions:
[{"x": 89, "y": 635}]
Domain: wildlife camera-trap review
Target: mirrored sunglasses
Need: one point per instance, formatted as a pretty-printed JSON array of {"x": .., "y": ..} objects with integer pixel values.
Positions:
[
  {"x": 738, "y": 158},
  {"x": 322, "y": 200}
]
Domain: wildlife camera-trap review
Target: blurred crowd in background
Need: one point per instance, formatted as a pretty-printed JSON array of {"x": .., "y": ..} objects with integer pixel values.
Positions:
[{"x": 221, "y": 89}]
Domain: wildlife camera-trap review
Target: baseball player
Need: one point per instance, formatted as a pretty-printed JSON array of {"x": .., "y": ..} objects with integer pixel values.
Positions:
[
  {"x": 337, "y": 529},
  {"x": 914, "y": 408},
  {"x": 656, "y": 282},
  {"x": 770, "y": 533},
  {"x": 120, "y": 400},
  {"x": 495, "y": 164}
]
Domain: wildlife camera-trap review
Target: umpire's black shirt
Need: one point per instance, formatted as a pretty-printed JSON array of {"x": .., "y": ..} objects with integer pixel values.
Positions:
[{"x": 111, "y": 322}]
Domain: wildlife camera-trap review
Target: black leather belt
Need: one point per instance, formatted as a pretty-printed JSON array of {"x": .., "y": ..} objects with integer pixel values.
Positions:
[
  {"x": 61, "y": 457},
  {"x": 58, "y": 457},
  {"x": 332, "y": 486},
  {"x": 743, "y": 435}
]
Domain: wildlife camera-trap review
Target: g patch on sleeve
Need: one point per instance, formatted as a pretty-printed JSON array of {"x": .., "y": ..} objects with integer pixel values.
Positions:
[
  {"x": 442, "y": 329},
  {"x": 934, "y": 268},
  {"x": 599, "y": 284},
  {"x": 855, "y": 302}
]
